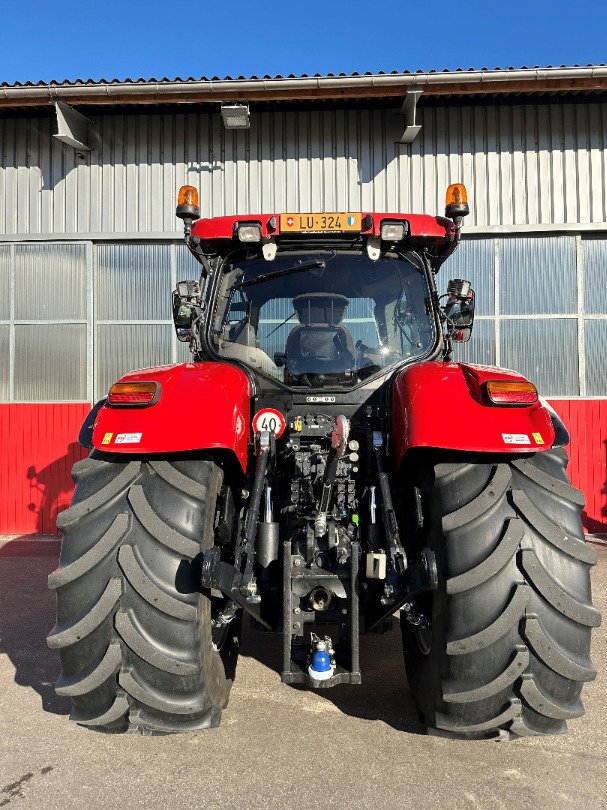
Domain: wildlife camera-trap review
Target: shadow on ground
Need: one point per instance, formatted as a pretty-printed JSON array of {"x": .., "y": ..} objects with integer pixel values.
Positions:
[
  {"x": 27, "y": 611},
  {"x": 383, "y": 694}
]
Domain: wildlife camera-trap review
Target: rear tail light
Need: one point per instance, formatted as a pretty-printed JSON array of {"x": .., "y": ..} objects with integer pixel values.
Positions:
[
  {"x": 134, "y": 393},
  {"x": 511, "y": 392}
]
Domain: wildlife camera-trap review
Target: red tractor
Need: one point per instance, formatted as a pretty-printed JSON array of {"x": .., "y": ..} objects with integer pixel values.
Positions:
[{"x": 323, "y": 465}]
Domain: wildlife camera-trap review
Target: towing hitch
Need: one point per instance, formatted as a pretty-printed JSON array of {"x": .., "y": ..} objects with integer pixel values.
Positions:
[{"x": 299, "y": 661}]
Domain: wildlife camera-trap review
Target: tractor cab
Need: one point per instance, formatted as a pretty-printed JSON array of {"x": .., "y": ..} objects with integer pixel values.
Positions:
[
  {"x": 317, "y": 301},
  {"x": 322, "y": 318}
]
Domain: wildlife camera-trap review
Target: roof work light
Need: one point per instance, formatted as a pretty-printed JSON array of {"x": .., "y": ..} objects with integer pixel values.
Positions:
[
  {"x": 249, "y": 232},
  {"x": 393, "y": 231}
]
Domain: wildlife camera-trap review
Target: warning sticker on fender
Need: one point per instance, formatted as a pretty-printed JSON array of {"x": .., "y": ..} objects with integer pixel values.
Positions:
[
  {"x": 515, "y": 438},
  {"x": 128, "y": 438}
]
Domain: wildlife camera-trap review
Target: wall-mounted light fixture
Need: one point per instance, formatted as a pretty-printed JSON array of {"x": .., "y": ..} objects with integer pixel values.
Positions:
[{"x": 236, "y": 116}]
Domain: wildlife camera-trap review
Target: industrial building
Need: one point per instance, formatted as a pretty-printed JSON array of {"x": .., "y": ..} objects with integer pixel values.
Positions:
[{"x": 90, "y": 248}]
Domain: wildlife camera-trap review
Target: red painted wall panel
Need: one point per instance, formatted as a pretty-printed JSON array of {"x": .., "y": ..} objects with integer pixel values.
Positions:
[
  {"x": 586, "y": 420},
  {"x": 39, "y": 446}
]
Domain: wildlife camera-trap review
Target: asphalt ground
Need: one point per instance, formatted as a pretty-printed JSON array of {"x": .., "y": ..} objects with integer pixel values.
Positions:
[{"x": 357, "y": 746}]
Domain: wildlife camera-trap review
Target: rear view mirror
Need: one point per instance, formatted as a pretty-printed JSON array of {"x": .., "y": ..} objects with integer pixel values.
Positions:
[
  {"x": 186, "y": 308},
  {"x": 459, "y": 310}
]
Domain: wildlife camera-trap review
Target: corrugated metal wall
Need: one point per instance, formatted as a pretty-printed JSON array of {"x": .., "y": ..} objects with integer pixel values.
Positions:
[{"x": 524, "y": 164}]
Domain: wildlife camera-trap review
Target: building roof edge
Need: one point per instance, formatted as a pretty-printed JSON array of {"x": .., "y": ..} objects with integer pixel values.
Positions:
[{"x": 592, "y": 78}]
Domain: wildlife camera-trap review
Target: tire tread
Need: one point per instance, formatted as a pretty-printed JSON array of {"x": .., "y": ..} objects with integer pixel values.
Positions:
[
  {"x": 514, "y": 549},
  {"x": 74, "y": 633},
  {"x": 146, "y": 661}
]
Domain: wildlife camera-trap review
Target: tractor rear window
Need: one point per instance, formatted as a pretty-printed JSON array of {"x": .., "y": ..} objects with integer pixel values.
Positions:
[{"x": 318, "y": 319}]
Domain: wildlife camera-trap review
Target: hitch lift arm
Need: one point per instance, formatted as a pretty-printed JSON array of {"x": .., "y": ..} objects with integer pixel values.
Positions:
[
  {"x": 403, "y": 581},
  {"x": 231, "y": 580},
  {"x": 396, "y": 552}
]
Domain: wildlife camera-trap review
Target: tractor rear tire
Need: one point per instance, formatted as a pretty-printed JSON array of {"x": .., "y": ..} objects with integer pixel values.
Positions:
[
  {"x": 134, "y": 630},
  {"x": 508, "y": 648}
]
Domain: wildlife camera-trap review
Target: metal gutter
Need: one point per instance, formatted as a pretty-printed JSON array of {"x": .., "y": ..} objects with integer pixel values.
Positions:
[{"x": 305, "y": 87}]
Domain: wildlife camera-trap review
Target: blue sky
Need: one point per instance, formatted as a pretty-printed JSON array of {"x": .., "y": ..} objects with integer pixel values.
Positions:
[{"x": 67, "y": 39}]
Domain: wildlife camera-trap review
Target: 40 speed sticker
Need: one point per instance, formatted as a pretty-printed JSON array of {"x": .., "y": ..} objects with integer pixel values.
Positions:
[{"x": 270, "y": 420}]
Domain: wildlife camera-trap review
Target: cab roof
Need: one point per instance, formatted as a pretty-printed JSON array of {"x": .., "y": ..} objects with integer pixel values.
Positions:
[{"x": 421, "y": 226}]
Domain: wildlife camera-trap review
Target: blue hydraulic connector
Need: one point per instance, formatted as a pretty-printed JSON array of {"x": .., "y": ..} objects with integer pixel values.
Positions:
[
  {"x": 321, "y": 662},
  {"x": 321, "y": 666}
]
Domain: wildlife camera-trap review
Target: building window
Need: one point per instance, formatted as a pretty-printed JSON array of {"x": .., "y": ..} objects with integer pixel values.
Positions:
[
  {"x": 75, "y": 316},
  {"x": 541, "y": 309},
  {"x": 134, "y": 326},
  {"x": 45, "y": 322},
  {"x": 133, "y": 313}
]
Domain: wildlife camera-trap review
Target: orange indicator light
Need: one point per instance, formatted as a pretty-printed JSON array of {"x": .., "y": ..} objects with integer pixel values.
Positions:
[
  {"x": 133, "y": 393},
  {"x": 511, "y": 392},
  {"x": 188, "y": 195},
  {"x": 456, "y": 194}
]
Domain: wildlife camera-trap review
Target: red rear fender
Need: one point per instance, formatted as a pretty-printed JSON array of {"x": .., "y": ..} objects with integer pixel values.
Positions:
[
  {"x": 443, "y": 405},
  {"x": 201, "y": 406}
]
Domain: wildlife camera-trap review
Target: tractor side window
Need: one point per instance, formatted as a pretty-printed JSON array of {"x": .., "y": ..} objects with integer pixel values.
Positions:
[
  {"x": 237, "y": 310},
  {"x": 408, "y": 327},
  {"x": 237, "y": 326}
]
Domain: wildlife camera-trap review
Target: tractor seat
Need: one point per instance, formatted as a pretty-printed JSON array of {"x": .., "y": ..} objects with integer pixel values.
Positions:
[{"x": 320, "y": 344}]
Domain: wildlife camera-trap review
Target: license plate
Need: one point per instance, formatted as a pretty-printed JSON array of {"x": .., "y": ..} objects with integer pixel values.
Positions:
[{"x": 320, "y": 223}]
